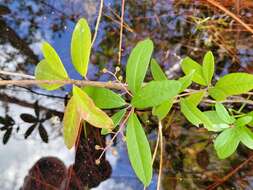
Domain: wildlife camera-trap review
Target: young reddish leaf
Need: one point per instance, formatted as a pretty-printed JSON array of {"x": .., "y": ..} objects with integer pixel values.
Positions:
[
  {"x": 71, "y": 121},
  {"x": 89, "y": 111}
]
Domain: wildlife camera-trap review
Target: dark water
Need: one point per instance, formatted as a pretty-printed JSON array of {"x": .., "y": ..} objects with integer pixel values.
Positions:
[{"x": 177, "y": 29}]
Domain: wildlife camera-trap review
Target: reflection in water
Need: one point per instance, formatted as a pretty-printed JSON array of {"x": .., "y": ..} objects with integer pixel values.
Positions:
[
  {"x": 50, "y": 173},
  {"x": 178, "y": 28}
]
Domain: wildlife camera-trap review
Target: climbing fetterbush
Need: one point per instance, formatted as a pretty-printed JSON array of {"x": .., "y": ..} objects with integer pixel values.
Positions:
[{"x": 86, "y": 103}]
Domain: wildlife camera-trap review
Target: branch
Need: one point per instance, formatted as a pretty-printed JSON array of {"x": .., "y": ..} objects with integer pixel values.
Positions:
[{"x": 111, "y": 85}]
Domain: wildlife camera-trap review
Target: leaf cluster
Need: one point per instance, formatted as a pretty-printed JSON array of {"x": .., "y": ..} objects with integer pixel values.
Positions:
[{"x": 86, "y": 104}]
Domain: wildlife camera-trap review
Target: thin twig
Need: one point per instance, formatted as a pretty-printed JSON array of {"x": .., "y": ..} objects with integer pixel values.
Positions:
[
  {"x": 121, "y": 30},
  {"x": 16, "y": 74},
  {"x": 121, "y": 127},
  {"x": 98, "y": 21},
  {"x": 221, "y": 7},
  {"x": 161, "y": 155},
  {"x": 230, "y": 174},
  {"x": 156, "y": 148}
]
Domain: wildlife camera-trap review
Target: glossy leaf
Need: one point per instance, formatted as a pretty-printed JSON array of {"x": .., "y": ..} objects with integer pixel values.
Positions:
[
  {"x": 223, "y": 114},
  {"x": 137, "y": 64},
  {"x": 188, "y": 65},
  {"x": 246, "y": 136},
  {"x": 208, "y": 67},
  {"x": 251, "y": 115},
  {"x": 116, "y": 118},
  {"x": 71, "y": 122},
  {"x": 217, "y": 123},
  {"x": 196, "y": 97},
  {"x": 226, "y": 142},
  {"x": 89, "y": 111},
  {"x": 155, "y": 93},
  {"x": 81, "y": 46},
  {"x": 186, "y": 80},
  {"x": 50, "y": 68},
  {"x": 194, "y": 115},
  {"x": 156, "y": 71},
  {"x": 163, "y": 109},
  {"x": 242, "y": 121},
  {"x": 139, "y": 150},
  {"x": 232, "y": 84},
  {"x": 104, "y": 98}
]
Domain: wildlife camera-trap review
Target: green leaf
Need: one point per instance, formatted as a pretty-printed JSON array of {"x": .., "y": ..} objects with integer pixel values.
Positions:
[
  {"x": 223, "y": 114},
  {"x": 194, "y": 115},
  {"x": 242, "y": 121},
  {"x": 155, "y": 93},
  {"x": 156, "y": 71},
  {"x": 196, "y": 97},
  {"x": 251, "y": 115},
  {"x": 89, "y": 112},
  {"x": 81, "y": 46},
  {"x": 139, "y": 150},
  {"x": 71, "y": 122},
  {"x": 116, "y": 118},
  {"x": 188, "y": 65},
  {"x": 246, "y": 136},
  {"x": 208, "y": 67},
  {"x": 50, "y": 68},
  {"x": 137, "y": 64},
  {"x": 226, "y": 142},
  {"x": 232, "y": 84},
  {"x": 163, "y": 109},
  {"x": 104, "y": 98},
  {"x": 186, "y": 80},
  {"x": 217, "y": 123}
]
